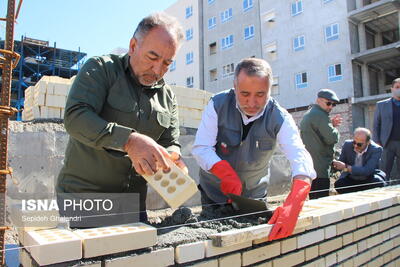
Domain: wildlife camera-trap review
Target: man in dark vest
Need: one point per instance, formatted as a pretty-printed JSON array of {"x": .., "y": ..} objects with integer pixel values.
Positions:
[
  {"x": 387, "y": 129},
  {"x": 236, "y": 139},
  {"x": 320, "y": 134}
]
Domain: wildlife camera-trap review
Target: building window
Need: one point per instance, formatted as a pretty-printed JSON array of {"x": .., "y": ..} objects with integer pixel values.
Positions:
[
  {"x": 227, "y": 42},
  {"x": 249, "y": 32},
  {"x": 189, "y": 11},
  {"x": 211, "y": 1},
  {"x": 189, "y": 34},
  {"x": 332, "y": 32},
  {"x": 212, "y": 22},
  {"x": 226, "y": 15},
  {"x": 301, "y": 80},
  {"x": 213, "y": 75},
  {"x": 172, "y": 67},
  {"x": 275, "y": 86},
  {"x": 189, "y": 81},
  {"x": 298, "y": 43},
  {"x": 213, "y": 48},
  {"x": 297, "y": 7},
  {"x": 189, "y": 58},
  {"x": 228, "y": 70},
  {"x": 335, "y": 73},
  {"x": 247, "y": 4}
]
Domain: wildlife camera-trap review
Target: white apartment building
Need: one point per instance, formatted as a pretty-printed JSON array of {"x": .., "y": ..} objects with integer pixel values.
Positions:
[
  {"x": 349, "y": 46},
  {"x": 186, "y": 70},
  {"x": 231, "y": 32}
]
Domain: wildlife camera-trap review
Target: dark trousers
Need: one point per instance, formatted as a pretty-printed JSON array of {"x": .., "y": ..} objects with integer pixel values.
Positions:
[
  {"x": 391, "y": 152},
  {"x": 351, "y": 185},
  {"x": 319, "y": 188}
]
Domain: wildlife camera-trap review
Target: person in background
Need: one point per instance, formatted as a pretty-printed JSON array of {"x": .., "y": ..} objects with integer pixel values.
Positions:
[{"x": 359, "y": 163}]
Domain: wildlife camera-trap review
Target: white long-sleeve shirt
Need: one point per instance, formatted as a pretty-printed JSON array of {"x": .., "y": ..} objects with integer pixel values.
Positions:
[{"x": 288, "y": 139}]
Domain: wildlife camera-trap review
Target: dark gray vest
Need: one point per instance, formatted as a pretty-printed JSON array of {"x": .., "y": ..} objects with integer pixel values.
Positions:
[{"x": 251, "y": 157}]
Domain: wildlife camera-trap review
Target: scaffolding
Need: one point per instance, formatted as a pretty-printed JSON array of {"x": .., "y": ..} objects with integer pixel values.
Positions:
[{"x": 38, "y": 58}]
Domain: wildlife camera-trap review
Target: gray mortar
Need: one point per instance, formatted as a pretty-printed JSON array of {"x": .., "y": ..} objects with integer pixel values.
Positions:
[{"x": 183, "y": 226}]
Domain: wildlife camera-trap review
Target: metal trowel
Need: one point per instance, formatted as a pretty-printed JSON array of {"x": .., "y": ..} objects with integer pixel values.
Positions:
[{"x": 248, "y": 205}]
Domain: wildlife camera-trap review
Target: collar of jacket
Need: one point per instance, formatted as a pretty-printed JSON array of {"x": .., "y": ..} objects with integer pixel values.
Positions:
[
  {"x": 318, "y": 107},
  {"x": 127, "y": 66}
]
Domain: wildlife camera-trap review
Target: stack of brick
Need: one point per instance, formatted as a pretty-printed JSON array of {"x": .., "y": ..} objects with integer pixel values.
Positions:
[
  {"x": 358, "y": 229},
  {"x": 47, "y": 98},
  {"x": 191, "y": 103}
]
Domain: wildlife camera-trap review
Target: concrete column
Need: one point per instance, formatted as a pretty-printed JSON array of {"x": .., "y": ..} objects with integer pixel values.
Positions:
[
  {"x": 368, "y": 122},
  {"x": 359, "y": 4},
  {"x": 365, "y": 80},
  {"x": 362, "y": 37},
  {"x": 381, "y": 81}
]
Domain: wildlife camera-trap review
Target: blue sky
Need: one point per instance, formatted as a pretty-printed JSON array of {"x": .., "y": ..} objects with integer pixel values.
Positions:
[{"x": 96, "y": 26}]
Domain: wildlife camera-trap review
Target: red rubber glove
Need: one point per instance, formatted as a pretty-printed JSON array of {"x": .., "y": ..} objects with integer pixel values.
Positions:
[
  {"x": 285, "y": 217},
  {"x": 230, "y": 181}
]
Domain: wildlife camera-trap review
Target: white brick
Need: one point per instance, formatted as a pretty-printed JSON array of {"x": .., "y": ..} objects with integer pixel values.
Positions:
[
  {"x": 234, "y": 260},
  {"x": 346, "y": 252},
  {"x": 310, "y": 238},
  {"x": 212, "y": 250},
  {"x": 210, "y": 263},
  {"x": 329, "y": 216},
  {"x": 362, "y": 258},
  {"x": 330, "y": 231},
  {"x": 190, "y": 252},
  {"x": 317, "y": 263},
  {"x": 114, "y": 239},
  {"x": 362, "y": 245},
  {"x": 311, "y": 252},
  {"x": 331, "y": 259},
  {"x": 175, "y": 187},
  {"x": 158, "y": 258},
  {"x": 25, "y": 259},
  {"x": 346, "y": 226},
  {"x": 53, "y": 246},
  {"x": 55, "y": 101},
  {"x": 290, "y": 259},
  {"x": 288, "y": 244},
  {"x": 261, "y": 253}
]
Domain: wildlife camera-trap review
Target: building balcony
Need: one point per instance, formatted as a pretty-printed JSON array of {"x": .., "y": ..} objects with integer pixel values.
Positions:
[{"x": 374, "y": 10}]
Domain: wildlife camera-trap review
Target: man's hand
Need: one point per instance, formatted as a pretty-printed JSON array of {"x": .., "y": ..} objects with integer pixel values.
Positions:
[
  {"x": 285, "y": 217},
  {"x": 176, "y": 158},
  {"x": 339, "y": 165},
  {"x": 146, "y": 155},
  {"x": 336, "y": 120},
  {"x": 230, "y": 181}
]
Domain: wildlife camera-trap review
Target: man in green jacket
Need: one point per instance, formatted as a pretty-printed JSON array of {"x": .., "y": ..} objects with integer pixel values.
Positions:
[
  {"x": 319, "y": 135},
  {"x": 121, "y": 117}
]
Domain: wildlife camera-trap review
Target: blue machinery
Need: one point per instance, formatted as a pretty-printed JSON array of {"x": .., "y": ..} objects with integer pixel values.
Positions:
[{"x": 39, "y": 59}]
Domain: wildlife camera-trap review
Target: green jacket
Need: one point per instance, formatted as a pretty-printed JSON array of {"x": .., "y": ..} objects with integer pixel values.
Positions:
[
  {"x": 105, "y": 104},
  {"x": 319, "y": 136}
]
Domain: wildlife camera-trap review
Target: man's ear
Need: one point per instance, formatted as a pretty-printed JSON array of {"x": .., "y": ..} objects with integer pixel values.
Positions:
[{"x": 132, "y": 45}]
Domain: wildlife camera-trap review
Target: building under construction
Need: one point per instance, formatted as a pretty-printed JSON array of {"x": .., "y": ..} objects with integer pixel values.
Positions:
[{"x": 38, "y": 58}]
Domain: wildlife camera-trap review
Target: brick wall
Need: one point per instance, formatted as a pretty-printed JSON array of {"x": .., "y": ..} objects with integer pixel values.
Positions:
[{"x": 358, "y": 229}]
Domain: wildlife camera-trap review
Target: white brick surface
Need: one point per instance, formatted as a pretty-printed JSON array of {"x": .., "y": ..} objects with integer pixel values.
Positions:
[
  {"x": 261, "y": 253},
  {"x": 234, "y": 260},
  {"x": 175, "y": 187},
  {"x": 190, "y": 252},
  {"x": 310, "y": 238},
  {"x": 53, "y": 246},
  {"x": 212, "y": 250},
  {"x": 158, "y": 258},
  {"x": 114, "y": 239}
]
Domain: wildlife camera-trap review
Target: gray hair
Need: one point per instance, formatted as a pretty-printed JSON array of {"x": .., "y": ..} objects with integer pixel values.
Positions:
[
  {"x": 397, "y": 80},
  {"x": 365, "y": 131},
  {"x": 255, "y": 67},
  {"x": 159, "y": 19}
]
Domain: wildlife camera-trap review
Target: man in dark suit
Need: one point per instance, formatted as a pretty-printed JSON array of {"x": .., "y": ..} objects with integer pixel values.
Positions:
[
  {"x": 359, "y": 163},
  {"x": 387, "y": 128}
]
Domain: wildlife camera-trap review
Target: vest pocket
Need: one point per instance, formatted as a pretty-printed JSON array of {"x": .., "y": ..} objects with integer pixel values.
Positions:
[{"x": 164, "y": 119}]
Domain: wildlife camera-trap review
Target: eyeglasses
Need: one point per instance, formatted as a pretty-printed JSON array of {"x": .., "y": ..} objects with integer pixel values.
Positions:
[
  {"x": 357, "y": 144},
  {"x": 330, "y": 104}
]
